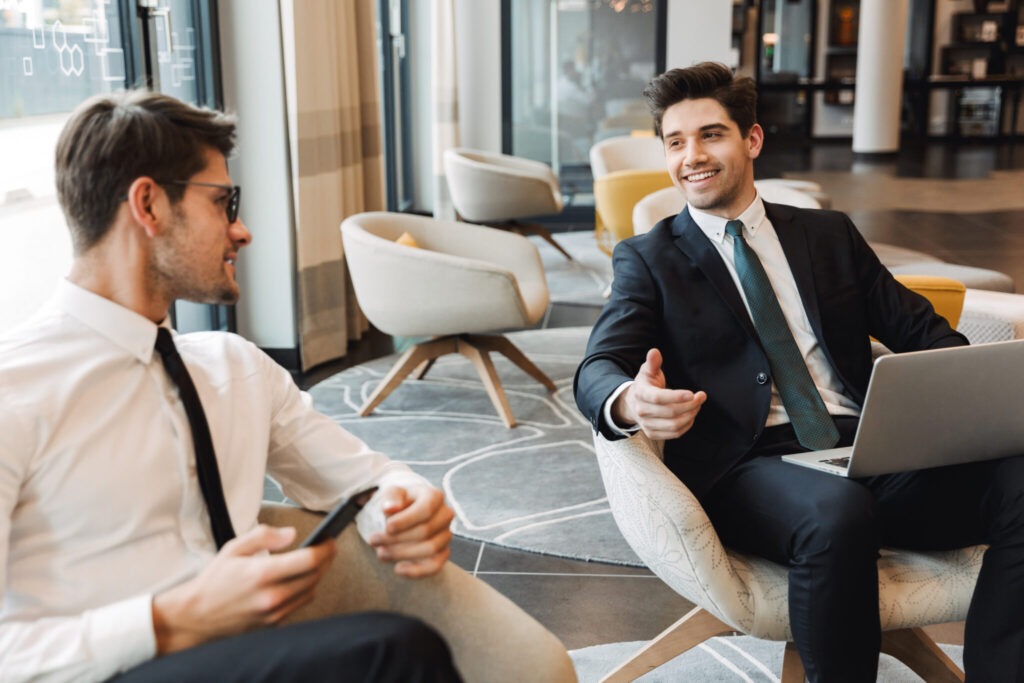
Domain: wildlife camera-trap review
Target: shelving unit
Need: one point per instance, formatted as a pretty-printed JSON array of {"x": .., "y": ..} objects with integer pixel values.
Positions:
[
  {"x": 841, "y": 50},
  {"x": 964, "y": 74},
  {"x": 983, "y": 67}
]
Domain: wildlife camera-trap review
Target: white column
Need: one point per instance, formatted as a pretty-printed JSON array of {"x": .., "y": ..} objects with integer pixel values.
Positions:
[{"x": 880, "y": 47}]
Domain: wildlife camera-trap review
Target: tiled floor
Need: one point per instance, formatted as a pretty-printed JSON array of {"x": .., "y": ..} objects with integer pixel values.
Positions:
[{"x": 590, "y": 603}]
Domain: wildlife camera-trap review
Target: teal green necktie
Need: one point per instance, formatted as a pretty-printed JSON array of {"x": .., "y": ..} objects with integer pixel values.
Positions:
[{"x": 813, "y": 426}]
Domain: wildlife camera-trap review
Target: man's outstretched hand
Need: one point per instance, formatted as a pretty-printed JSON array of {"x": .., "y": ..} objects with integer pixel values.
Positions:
[{"x": 661, "y": 413}]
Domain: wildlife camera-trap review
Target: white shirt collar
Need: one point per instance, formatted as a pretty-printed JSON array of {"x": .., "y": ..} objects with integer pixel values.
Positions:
[
  {"x": 125, "y": 328},
  {"x": 714, "y": 226}
]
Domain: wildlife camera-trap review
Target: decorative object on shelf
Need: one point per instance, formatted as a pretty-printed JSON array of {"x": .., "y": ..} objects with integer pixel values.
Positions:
[{"x": 846, "y": 34}]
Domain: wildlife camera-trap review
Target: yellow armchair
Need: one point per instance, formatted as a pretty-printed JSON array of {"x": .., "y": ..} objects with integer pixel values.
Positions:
[
  {"x": 946, "y": 295},
  {"x": 615, "y": 195}
]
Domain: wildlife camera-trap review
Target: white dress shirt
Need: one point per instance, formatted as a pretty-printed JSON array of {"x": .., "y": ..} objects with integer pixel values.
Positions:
[
  {"x": 101, "y": 506},
  {"x": 760, "y": 235}
]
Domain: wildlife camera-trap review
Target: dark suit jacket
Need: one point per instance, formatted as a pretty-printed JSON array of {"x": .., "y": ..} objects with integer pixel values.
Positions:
[{"x": 673, "y": 291}]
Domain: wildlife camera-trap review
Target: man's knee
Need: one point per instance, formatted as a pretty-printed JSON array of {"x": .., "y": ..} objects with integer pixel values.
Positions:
[
  {"x": 844, "y": 520},
  {"x": 380, "y": 646},
  {"x": 410, "y": 637},
  {"x": 1004, "y": 501}
]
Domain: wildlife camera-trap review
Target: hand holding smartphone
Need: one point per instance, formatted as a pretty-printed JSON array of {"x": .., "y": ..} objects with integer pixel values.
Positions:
[{"x": 338, "y": 518}]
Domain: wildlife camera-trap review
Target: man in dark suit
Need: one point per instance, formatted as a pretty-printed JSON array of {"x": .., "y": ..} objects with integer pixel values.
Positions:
[{"x": 738, "y": 331}]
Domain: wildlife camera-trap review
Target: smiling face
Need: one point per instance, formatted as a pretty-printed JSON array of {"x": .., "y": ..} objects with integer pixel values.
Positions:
[
  {"x": 708, "y": 157},
  {"x": 194, "y": 257}
]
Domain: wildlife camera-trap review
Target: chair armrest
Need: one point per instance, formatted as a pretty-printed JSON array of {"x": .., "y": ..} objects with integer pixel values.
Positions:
[
  {"x": 992, "y": 316},
  {"x": 666, "y": 526}
]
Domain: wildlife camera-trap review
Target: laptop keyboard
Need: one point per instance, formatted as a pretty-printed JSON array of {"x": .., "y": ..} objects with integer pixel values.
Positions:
[{"x": 837, "y": 462}]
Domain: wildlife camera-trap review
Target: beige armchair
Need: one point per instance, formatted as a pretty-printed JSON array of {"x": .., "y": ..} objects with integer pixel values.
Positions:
[
  {"x": 668, "y": 529},
  {"x": 491, "y": 639},
  {"x": 499, "y": 190},
  {"x": 626, "y": 153},
  {"x": 461, "y": 281}
]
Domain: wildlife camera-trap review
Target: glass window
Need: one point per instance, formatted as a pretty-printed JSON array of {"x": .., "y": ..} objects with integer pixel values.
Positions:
[
  {"x": 578, "y": 69},
  {"x": 53, "y": 55}
]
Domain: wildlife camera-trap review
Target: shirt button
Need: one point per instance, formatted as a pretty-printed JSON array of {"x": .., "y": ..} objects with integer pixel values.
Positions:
[{"x": 762, "y": 378}]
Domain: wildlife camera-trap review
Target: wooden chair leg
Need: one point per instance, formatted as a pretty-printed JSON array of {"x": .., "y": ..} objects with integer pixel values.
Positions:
[
  {"x": 792, "y": 666},
  {"x": 421, "y": 370},
  {"x": 543, "y": 233},
  {"x": 500, "y": 344},
  {"x": 489, "y": 376},
  {"x": 410, "y": 360},
  {"x": 690, "y": 631},
  {"x": 918, "y": 651}
]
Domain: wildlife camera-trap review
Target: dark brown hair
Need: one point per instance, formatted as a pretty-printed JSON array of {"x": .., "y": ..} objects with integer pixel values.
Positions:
[
  {"x": 737, "y": 95},
  {"x": 110, "y": 140}
]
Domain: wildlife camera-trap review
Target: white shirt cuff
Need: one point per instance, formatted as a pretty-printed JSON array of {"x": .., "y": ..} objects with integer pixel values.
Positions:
[
  {"x": 607, "y": 411},
  {"x": 122, "y": 634}
]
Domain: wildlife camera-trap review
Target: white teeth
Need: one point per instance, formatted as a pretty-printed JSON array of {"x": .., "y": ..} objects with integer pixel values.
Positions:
[{"x": 700, "y": 176}]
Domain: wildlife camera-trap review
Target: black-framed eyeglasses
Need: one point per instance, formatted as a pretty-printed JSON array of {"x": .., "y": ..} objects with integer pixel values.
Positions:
[{"x": 233, "y": 198}]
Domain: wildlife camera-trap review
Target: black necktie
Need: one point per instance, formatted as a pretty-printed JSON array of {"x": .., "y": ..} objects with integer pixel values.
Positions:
[
  {"x": 813, "y": 426},
  {"x": 206, "y": 460}
]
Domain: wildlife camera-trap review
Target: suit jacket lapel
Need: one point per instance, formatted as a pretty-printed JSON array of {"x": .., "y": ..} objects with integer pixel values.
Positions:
[
  {"x": 794, "y": 245},
  {"x": 696, "y": 246}
]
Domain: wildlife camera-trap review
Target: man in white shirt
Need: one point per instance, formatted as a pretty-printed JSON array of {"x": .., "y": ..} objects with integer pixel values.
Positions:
[
  {"x": 108, "y": 562},
  {"x": 738, "y": 331}
]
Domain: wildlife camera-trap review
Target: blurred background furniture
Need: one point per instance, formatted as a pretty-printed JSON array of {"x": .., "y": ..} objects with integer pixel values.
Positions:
[
  {"x": 459, "y": 282},
  {"x": 945, "y": 294},
  {"x": 616, "y": 195},
  {"x": 626, "y": 153},
  {"x": 806, "y": 186},
  {"x": 899, "y": 260},
  {"x": 626, "y": 168},
  {"x": 500, "y": 189},
  {"x": 668, "y": 529}
]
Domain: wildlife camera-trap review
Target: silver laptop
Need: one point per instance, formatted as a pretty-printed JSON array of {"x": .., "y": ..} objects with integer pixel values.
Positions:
[{"x": 934, "y": 408}]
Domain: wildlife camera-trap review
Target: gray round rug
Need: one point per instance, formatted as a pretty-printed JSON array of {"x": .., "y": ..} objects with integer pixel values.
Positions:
[{"x": 536, "y": 487}]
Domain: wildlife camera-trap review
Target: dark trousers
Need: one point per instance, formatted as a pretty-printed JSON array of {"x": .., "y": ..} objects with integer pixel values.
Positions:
[
  {"x": 373, "y": 646},
  {"x": 829, "y": 529}
]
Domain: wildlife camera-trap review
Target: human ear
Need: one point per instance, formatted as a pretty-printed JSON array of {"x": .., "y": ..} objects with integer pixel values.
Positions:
[
  {"x": 142, "y": 196},
  {"x": 755, "y": 139}
]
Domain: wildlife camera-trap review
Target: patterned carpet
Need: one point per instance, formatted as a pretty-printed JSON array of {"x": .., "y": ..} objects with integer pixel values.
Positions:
[
  {"x": 581, "y": 281},
  {"x": 536, "y": 487},
  {"x": 723, "y": 659}
]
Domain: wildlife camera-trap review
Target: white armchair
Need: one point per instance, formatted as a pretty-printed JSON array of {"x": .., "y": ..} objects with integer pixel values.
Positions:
[
  {"x": 462, "y": 280},
  {"x": 668, "y": 529},
  {"x": 500, "y": 189},
  {"x": 626, "y": 153}
]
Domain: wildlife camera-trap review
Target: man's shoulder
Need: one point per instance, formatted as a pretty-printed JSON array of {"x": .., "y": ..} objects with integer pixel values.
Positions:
[
  {"x": 225, "y": 352},
  {"x": 804, "y": 217},
  {"x": 214, "y": 344},
  {"x": 33, "y": 339}
]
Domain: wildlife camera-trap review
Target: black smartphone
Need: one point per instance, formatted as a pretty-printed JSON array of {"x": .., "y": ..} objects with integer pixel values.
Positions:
[{"x": 338, "y": 518}]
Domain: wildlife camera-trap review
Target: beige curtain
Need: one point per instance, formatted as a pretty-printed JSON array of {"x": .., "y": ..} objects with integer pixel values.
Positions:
[
  {"x": 445, "y": 126},
  {"x": 330, "y": 59}
]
